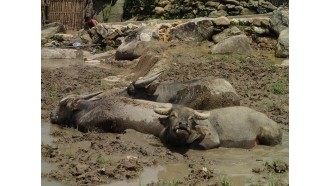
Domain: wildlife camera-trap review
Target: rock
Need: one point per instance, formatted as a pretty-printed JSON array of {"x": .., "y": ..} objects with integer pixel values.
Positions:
[
  {"x": 260, "y": 22},
  {"x": 159, "y": 10},
  {"x": 246, "y": 11},
  {"x": 221, "y": 7},
  {"x": 269, "y": 7},
  {"x": 218, "y": 13},
  {"x": 285, "y": 62},
  {"x": 234, "y": 45},
  {"x": 86, "y": 39},
  {"x": 279, "y": 20},
  {"x": 51, "y": 29},
  {"x": 221, "y": 21},
  {"x": 60, "y": 53},
  {"x": 259, "y": 30},
  {"x": 212, "y": 4},
  {"x": 282, "y": 46},
  {"x": 233, "y": 2},
  {"x": 163, "y": 3},
  {"x": 195, "y": 30},
  {"x": 66, "y": 37},
  {"x": 232, "y": 31}
]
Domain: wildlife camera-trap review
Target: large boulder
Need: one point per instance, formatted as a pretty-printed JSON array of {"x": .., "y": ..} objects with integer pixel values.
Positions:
[
  {"x": 233, "y": 45},
  {"x": 279, "y": 20},
  {"x": 282, "y": 46},
  {"x": 226, "y": 33},
  {"x": 51, "y": 29},
  {"x": 195, "y": 30}
]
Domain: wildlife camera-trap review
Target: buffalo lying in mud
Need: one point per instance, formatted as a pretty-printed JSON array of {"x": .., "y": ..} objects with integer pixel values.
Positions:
[
  {"x": 182, "y": 126},
  {"x": 232, "y": 127},
  {"x": 200, "y": 93}
]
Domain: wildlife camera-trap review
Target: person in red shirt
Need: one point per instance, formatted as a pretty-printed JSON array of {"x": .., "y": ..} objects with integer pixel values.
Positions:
[{"x": 89, "y": 23}]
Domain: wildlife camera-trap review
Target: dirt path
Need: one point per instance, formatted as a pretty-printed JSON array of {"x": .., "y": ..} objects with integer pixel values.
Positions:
[{"x": 75, "y": 158}]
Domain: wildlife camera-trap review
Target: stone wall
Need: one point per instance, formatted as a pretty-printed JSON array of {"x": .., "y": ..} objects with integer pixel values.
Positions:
[{"x": 181, "y": 9}]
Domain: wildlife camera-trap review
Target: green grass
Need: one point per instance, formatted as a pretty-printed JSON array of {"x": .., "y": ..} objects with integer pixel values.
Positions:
[
  {"x": 280, "y": 87},
  {"x": 224, "y": 181},
  {"x": 103, "y": 160}
]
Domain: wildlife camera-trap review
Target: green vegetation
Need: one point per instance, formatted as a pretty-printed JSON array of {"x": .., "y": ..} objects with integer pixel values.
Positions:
[
  {"x": 58, "y": 38},
  {"x": 138, "y": 7},
  {"x": 224, "y": 181},
  {"x": 233, "y": 57},
  {"x": 103, "y": 160},
  {"x": 280, "y": 87}
]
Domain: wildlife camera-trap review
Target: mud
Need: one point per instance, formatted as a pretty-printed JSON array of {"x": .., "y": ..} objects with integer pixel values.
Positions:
[{"x": 70, "y": 157}]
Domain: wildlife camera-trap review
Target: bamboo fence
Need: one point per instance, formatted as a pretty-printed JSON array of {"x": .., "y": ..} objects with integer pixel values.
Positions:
[{"x": 68, "y": 12}]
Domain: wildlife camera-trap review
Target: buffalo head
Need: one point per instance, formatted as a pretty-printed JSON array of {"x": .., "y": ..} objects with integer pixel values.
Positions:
[
  {"x": 68, "y": 106},
  {"x": 144, "y": 85},
  {"x": 180, "y": 125}
]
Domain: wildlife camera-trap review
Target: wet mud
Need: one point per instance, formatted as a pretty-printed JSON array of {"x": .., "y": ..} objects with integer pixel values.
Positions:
[{"x": 70, "y": 157}]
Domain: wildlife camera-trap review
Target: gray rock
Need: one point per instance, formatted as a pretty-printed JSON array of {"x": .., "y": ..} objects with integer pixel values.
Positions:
[
  {"x": 260, "y": 22},
  {"x": 232, "y": 31},
  {"x": 195, "y": 30},
  {"x": 221, "y": 21},
  {"x": 279, "y": 20},
  {"x": 163, "y": 3},
  {"x": 159, "y": 10},
  {"x": 259, "y": 30},
  {"x": 234, "y": 45},
  {"x": 285, "y": 62},
  {"x": 212, "y": 4},
  {"x": 269, "y": 7},
  {"x": 233, "y": 2},
  {"x": 282, "y": 46},
  {"x": 51, "y": 29},
  {"x": 218, "y": 13}
]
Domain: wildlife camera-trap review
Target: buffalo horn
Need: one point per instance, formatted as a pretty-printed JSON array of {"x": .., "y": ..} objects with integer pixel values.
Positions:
[
  {"x": 88, "y": 96},
  {"x": 145, "y": 81},
  {"x": 163, "y": 110},
  {"x": 201, "y": 116}
]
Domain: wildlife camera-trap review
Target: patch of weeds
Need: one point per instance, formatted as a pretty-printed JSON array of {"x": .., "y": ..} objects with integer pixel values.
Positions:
[
  {"x": 280, "y": 87},
  {"x": 230, "y": 57},
  {"x": 58, "y": 38},
  {"x": 224, "y": 181},
  {"x": 103, "y": 160},
  {"x": 274, "y": 183},
  {"x": 269, "y": 105}
]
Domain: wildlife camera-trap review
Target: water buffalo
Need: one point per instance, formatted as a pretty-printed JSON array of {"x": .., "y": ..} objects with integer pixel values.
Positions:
[
  {"x": 95, "y": 112},
  {"x": 199, "y": 93},
  {"x": 175, "y": 125},
  {"x": 231, "y": 127}
]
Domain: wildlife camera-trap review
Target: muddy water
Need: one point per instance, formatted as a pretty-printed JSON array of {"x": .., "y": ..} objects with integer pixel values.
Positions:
[
  {"x": 46, "y": 167},
  {"x": 234, "y": 163}
]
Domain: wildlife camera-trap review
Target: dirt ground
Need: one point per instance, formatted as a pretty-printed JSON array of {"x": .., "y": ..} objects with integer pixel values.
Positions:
[{"x": 70, "y": 157}]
